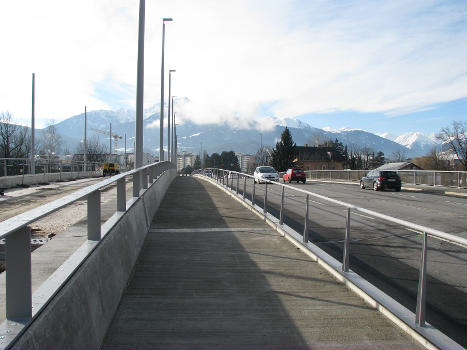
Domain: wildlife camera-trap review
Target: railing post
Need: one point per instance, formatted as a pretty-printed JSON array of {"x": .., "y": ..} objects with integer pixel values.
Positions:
[
  {"x": 18, "y": 275},
  {"x": 281, "y": 216},
  {"x": 121, "y": 195},
  {"x": 144, "y": 176},
  {"x": 265, "y": 209},
  {"x": 414, "y": 177},
  {"x": 253, "y": 193},
  {"x": 238, "y": 179},
  {"x": 458, "y": 179},
  {"x": 307, "y": 211},
  {"x": 151, "y": 174},
  {"x": 136, "y": 184},
  {"x": 421, "y": 295},
  {"x": 94, "y": 216},
  {"x": 345, "y": 260},
  {"x": 244, "y": 187},
  {"x": 434, "y": 178}
]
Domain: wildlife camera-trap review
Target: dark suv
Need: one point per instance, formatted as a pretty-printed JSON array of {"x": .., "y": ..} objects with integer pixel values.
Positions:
[{"x": 381, "y": 180}]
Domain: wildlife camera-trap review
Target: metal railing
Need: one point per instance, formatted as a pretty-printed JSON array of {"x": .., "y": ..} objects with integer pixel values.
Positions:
[
  {"x": 18, "y": 237},
  {"x": 22, "y": 166},
  {"x": 414, "y": 177},
  {"x": 231, "y": 180}
]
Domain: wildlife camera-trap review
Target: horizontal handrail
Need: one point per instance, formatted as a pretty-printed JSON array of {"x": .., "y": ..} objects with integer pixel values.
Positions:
[
  {"x": 19, "y": 221},
  {"x": 430, "y": 231}
]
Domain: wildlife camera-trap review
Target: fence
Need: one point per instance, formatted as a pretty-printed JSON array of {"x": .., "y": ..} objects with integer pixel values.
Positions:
[
  {"x": 414, "y": 177},
  {"x": 22, "y": 166},
  {"x": 326, "y": 223}
]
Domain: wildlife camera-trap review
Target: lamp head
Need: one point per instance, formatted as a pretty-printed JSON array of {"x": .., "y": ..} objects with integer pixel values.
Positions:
[
  {"x": 167, "y": 19},
  {"x": 172, "y": 70}
]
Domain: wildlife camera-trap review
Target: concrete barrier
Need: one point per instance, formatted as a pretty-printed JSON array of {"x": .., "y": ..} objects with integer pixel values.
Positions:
[
  {"x": 12, "y": 181},
  {"x": 79, "y": 314}
]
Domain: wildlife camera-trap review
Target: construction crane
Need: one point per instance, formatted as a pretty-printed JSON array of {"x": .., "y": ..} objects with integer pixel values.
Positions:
[{"x": 109, "y": 133}]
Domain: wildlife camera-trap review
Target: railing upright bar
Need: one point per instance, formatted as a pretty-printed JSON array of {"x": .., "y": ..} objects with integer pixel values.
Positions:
[
  {"x": 18, "y": 275},
  {"x": 244, "y": 187},
  {"x": 421, "y": 295},
  {"x": 121, "y": 195},
  {"x": 253, "y": 193},
  {"x": 307, "y": 211},
  {"x": 238, "y": 179},
  {"x": 94, "y": 216},
  {"x": 136, "y": 184},
  {"x": 345, "y": 262},
  {"x": 281, "y": 216},
  {"x": 144, "y": 177},
  {"x": 265, "y": 209}
]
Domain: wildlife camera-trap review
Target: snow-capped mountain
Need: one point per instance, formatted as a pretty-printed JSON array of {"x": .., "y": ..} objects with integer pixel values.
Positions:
[
  {"x": 387, "y": 135},
  {"x": 215, "y": 137},
  {"x": 417, "y": 142}
]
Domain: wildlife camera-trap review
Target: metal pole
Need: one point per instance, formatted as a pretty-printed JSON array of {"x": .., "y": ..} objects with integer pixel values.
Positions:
[
  {"x": 265, "y": 209},
  {"x": 169, "y": 117},
  {"x": 174, "y": 154},
  {"x": 421, "y": 295},
  {"x": 121, "y": 195},
  {"x": 253, "y": 194},
  {"x": 125, "y": 154},
  {"x": 345, "y": 263},
  {"x": 414, "y": 177},
  {"x": 85, "y": 156},
  {"x": 305, "y": 229},
  {"x": 33, "y": 165},
  {"x": 110, "y": 142},
  {"x": 161, "y": 115},
  {"x": 434, "y": 178},
  {"x": 140, "y": 90},
  {"x": 238, "y": 179},
  {"x": 244, "y": 187},
  {"x": 281, "y": 217}
]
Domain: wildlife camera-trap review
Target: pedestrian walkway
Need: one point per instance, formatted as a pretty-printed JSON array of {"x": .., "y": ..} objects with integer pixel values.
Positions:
[{"x": 213, "y": 275}]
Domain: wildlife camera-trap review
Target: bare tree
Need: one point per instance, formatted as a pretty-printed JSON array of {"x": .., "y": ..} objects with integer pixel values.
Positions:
[
  {"x": 263, "y": 156},
  {"x": 50, "y": 141},
  {"x": 454, "y": 138},
  {"x": 14, "y": 139},
  {"x": 95, "y": 150},
  {"x": 399, "y": 155}
]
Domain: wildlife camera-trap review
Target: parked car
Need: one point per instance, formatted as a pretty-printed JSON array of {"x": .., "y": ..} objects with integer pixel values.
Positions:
[
  {"x": 381, "y": 180},
  {"x": 294, "y": 175},
  {"x": 263, "y": 173}
]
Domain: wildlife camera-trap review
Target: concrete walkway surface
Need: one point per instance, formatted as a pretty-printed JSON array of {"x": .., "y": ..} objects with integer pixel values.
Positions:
[{"x": 213, "y": 275}]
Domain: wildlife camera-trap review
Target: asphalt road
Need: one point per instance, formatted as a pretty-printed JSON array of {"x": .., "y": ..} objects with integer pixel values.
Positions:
[{"x": 387, "y": 254}]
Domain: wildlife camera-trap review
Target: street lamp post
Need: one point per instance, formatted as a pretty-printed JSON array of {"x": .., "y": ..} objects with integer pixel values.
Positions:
[
  {"x": 161, "y": 143},
  {"x": 174, "y": 152},
  {"x": 169, "y": 116},
  {"x": 139, "y": 92},
  {"x": 33, "y": 164}
]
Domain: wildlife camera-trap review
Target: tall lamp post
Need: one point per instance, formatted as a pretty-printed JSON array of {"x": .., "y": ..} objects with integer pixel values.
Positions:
[
  {"x": 161, "y": 144},
  {"x": 174, "y": 151},
  {"x": 33, "y": 164},
  {"x": 139, "y": 95},
  {"x": 169, "y": 117}
]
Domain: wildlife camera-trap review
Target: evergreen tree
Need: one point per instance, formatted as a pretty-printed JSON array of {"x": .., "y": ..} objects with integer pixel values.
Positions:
[{"x": 285, "y": 152}]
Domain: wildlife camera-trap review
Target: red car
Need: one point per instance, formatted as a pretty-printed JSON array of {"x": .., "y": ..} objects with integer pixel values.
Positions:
[{"x": 295, "y": 175}]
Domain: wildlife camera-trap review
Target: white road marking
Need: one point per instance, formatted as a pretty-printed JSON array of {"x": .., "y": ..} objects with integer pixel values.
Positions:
[
  {"x": 365, "y": 216},
  {"x": 209, "y": 229}
]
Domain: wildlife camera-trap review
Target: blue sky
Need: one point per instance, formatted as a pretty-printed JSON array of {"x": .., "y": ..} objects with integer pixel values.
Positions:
[{"x": 385, "y": 66}]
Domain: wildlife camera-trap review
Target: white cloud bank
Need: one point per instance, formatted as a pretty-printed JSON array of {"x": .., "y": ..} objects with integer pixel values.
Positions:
[{"x": 237, "y": 60}]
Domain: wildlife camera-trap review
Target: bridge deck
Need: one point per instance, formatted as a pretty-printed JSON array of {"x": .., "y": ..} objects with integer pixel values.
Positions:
[{"x": 213, "y": 275}]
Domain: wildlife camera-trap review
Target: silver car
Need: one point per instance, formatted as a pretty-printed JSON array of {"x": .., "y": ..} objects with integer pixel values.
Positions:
[{"x": 263, "y": 173}]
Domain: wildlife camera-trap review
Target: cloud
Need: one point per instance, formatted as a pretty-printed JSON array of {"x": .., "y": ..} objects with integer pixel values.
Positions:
[{"x": 234, "y": 57}]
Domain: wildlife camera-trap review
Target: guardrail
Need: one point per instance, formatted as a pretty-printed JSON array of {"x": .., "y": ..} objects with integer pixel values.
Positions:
[
  {"x": 414, "y": 177},
  {"x": 231, "y": 180},
  {"x": 17, "y": 236},
  {"x": 22, "y": 166}
]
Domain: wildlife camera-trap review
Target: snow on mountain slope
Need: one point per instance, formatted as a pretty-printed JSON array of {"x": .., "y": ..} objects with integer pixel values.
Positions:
[{"x": 417, "y": 142}]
